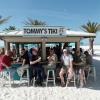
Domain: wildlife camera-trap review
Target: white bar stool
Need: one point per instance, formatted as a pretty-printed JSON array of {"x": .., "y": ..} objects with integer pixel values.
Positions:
[
  {"x": 50, "y": 79},
  {"x": 6, "y": 77},
  {"x": 73, "y": 80},
  {"x": 34, "y": 80},
  {"x": 26, "y": 77},
  {"x": 92, "y": 72}
]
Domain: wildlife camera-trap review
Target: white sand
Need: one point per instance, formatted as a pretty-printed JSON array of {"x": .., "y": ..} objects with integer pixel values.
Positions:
[
  {"x": 54, "y": 93},
  {"x": 90, "y": 92}
]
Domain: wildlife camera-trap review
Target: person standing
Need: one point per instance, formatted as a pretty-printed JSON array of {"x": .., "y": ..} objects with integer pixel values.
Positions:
[{"x": 35, "y": 69}]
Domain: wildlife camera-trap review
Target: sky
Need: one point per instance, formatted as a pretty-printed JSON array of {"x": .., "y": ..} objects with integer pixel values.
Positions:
[{"x": 69, "y": 13}]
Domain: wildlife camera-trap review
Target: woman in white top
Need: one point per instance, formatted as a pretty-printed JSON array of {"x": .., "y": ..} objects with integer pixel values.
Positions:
[{"x": 67, "y": 67}]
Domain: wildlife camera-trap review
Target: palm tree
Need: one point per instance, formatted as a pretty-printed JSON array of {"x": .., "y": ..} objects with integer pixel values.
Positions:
[
  {"x": 34, "y": 22},
  {"x": 91, "y": 27},
  {"x": 10, "y": 28},
  {"x": 3, "y": 20}
]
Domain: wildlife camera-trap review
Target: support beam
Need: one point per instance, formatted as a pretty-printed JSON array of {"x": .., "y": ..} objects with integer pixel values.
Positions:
[
  {"x": 43, "y": 49},
  {"x": 22, "y": 45},
  {"x": 7, "y": 45},
  {"x": 77, "y": 45},
  {"x": 17, "y": 48}
]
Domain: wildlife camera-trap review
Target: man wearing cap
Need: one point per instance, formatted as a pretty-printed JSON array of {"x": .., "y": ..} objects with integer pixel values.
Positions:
[{"x": 67, "y": 67}]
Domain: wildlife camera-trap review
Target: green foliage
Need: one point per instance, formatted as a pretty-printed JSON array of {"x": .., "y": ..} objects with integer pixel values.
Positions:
[
  {"x": 91, "y": 27},
  {"x": 33, "y": 22},
  {"x": 10, "y": 28},
  {"x": 3, "y": 20}
]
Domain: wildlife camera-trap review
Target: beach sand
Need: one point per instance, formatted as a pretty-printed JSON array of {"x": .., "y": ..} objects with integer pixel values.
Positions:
[{"x": 90, "y": 92}]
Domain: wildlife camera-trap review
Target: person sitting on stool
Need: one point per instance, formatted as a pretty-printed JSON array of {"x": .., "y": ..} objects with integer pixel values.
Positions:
[{"x": 35, "y": 69}]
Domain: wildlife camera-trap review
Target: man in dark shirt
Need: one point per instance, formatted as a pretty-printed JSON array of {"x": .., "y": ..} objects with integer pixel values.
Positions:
[
  {"x": 25, "y": 63},
  {"x": 35, "y": 68},
  {"x": 25, "y": 58},
  {"x": 79, "y": 61}
]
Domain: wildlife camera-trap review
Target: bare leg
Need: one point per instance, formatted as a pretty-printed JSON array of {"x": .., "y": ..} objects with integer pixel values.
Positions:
[
  {"x": 62, "y": 71},
  {"x": 70, "y": 73},
  {"x": 81, "y": 77}
]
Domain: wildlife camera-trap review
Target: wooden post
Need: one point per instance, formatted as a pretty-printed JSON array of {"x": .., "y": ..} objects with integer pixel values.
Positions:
[
  {"x": 43, "y": 49},
  {"x": 77, "y": 45},
  {"x": 22, "y": 45},
  {"x": 17, "y": 48},
  {"x": 7, "y": 45}
]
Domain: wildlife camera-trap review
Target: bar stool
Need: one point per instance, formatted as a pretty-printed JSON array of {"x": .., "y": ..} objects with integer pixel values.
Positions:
[
  {"x": 73, "y": 80},
  {"x": 78, "y": 78},
  {"x": 50, "y": 79},
  {"x": 1, "y": 79},
  {"x": 34, "y": 80},
  {"x": 5, "y": 76},
  {"x": 92, "y": 72},
  {"x": 25, "y": 77}
]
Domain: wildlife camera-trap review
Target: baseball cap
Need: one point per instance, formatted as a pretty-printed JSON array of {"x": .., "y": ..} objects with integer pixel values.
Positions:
[
  {"x": 35, "y": 49},
  {"x": 64, "y": 50}
]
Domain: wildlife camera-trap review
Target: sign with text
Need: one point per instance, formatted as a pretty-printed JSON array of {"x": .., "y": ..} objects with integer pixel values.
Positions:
[{"x": 44, "y": 31}]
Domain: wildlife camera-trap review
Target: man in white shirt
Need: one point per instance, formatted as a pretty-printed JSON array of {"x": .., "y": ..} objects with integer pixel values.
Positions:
[{"x": 67, "y": 67}]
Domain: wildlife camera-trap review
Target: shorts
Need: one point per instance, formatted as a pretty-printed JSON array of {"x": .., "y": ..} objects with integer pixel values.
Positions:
[
  {"x": 77, "y": 68},
  {"x": 65, "y": 67}
]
